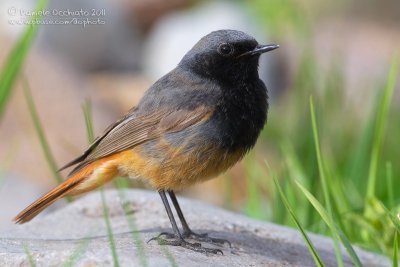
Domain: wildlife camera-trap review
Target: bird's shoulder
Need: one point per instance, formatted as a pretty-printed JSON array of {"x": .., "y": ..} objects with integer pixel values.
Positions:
[{"x": 181, "y": 89}]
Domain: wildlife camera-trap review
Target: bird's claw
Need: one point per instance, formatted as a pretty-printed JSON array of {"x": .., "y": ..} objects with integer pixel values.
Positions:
[
  {"x": 198, "y": 237},
  {"x": 176, "y": 241}
]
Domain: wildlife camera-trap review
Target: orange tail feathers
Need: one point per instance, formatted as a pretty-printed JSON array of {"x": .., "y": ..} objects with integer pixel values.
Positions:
[
  {"x": 39, "y": 205},
  {"x": 90, "y": 177}
]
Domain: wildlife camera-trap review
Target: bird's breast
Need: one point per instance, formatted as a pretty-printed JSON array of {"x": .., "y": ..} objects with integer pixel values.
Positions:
[
  {"x": 240, "y": 117},
  {"x": 175, "y": 165}
]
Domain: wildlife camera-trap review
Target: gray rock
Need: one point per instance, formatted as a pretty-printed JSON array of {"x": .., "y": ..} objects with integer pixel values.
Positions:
[
  {"x": 54, "y": 238},
  {"x": 14, "y": 195}
]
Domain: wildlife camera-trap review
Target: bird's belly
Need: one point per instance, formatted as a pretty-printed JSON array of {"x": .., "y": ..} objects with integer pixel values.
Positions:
[{"x": 166, "y": 166}]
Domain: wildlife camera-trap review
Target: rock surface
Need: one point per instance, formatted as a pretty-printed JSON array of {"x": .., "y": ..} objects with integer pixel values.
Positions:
[{"x": 79, "y": 230}]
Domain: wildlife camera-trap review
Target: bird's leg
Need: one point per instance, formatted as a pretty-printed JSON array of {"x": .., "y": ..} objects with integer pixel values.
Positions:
[
  {"x": 178, "y": 239},
  {"x": 187, "y": 232}
]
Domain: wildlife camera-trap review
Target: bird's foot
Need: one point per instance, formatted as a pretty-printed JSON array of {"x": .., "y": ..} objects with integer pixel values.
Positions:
[
  {"x": 172, "y": 240},
  {"x": 204, "y": 237},
  {"x": 198, "y": 237}
]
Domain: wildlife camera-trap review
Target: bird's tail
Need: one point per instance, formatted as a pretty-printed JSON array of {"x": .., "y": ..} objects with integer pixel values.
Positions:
[{"x": 90, "y": 177}]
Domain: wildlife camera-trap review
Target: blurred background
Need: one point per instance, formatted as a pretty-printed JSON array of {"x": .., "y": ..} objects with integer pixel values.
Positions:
[{"x": 340, "y": 52}]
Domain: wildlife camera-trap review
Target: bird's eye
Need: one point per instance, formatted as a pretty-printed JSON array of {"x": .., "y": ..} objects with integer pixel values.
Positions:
[{"x": 225, "y": 49}]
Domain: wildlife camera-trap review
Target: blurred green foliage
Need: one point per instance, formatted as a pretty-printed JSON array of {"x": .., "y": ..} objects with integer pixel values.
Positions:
[
  {"x": 280, "y": 15},
  {"x": 359, "y": 145},
  {"x": 16, "y": 58},
  {"x": 357, "y": 155}
]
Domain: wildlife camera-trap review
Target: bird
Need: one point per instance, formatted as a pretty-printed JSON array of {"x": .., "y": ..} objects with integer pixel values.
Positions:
[{"x": 191, "y": 125}]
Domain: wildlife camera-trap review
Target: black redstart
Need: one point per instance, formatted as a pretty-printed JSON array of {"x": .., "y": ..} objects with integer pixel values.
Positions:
[{"x": 191, "y": 125}]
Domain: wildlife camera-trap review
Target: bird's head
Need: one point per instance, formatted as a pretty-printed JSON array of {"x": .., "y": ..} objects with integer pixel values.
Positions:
[{"x": 226, "y": 53}]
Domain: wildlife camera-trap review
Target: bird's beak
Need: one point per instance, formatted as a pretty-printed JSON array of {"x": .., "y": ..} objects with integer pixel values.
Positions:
[{"x": 260, "y": 49}]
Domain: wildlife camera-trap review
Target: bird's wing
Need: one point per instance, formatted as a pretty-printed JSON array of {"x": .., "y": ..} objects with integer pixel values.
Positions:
[
  {"x": 96, "y": 141},
  {"x": 134, "y": 129}
]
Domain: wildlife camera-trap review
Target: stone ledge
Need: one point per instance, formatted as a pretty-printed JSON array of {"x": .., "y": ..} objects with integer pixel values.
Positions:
[{"x": 53, "y": 238}]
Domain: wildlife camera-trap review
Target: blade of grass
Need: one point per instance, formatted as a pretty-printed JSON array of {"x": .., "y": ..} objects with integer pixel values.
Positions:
[
  {"x": 29, "y": 254},
  {"x": 131, "y": 223},
  {"x": 119, "y": 184},
  {"x": 380, "y": 128},
  {"x": 322, "y": 175},
  {"x": 395, "y": 258},
  {"x": 360, "y": 222},
  {"x": 297, "y": 171},
  {"x": 6, "y": 162},
  {"x": 357, "y": 165},
  {"x": 169, "y": 256},
  {"x": 41, "y": 134},
  {"x": 90, "y": 134},
  {"x": 77, "y": 253},
  {"x": 395, "y": 218},
  {"x": 319, "y": 158},
  {"x": 340, "y": 203},
  {"x": 331, "y": 224},
  {"x": 80, "y": 249},
  {"x": 109, "y": 229},
  {"x": 87, "y": 113},
  {"x": 16, "y": 58},
  {"x": 311, "y": 248},
  {"x": 390, "y": 187}
]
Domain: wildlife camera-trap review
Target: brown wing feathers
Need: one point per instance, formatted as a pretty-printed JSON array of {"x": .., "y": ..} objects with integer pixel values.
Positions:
[
  {"x": 97, "y": 141},
  {"x": 134, "y": 131},
  {"x": 126, "y": 133}
]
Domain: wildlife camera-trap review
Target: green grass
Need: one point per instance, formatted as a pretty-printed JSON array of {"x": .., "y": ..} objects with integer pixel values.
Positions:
[
  {"x": 13, "y": 64},
  {"x": 347, "y": 163},
  {"x": 5, "y": 163},
  {"x": 395, "y": 256},
  {"x": 109, "y": 230},
  {"x": 336, "y": 231},
  {"x": 334, "y": 164},
  {"x": 169, "y": 256},
  {"x": 342, "y": 159},
  {"x": 51, "y": 162},
  {"x": 381, "y": 121},
  {"x": 389, "y": 182},
  {"x": 317, "y": 259},
  {"x": 324, "y": 182},
  {"x": 87, "y": 112},
  {"x": 29, "y": 254},
  {"x": 121, "y": 186},
  {"x": 40, "y": 132},
  {"x": 281, "y": 15},
  {"x": 16, "y": 58},
  {"x": 77, "y": 253}
]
